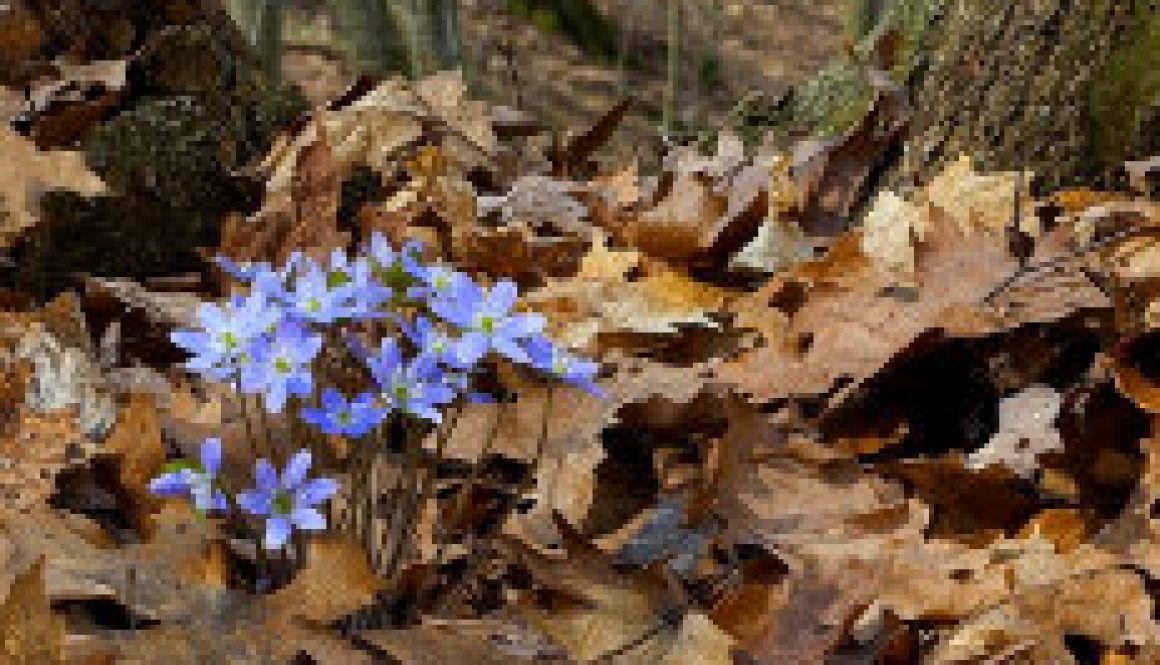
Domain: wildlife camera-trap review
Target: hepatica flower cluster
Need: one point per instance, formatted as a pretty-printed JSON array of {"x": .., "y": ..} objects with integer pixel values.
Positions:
[{"x": 268, "y": 340}]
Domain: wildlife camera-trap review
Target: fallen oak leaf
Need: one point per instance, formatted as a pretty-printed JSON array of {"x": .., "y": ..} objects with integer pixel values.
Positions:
[
  {"x": 136, "y": 442},
  {"x": 588, "y": 607},
  {"x": 336, "y": 580},
  {"x": 26, "y": 172},
  {"x": 32, "y": 633}
]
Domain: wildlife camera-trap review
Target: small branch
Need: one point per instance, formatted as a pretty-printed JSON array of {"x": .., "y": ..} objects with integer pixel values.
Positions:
[{"x": 1053, "y": 263}]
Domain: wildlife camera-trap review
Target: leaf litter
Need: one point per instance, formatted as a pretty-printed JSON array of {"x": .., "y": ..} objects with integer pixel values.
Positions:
[{"x": 897, "y": 442}]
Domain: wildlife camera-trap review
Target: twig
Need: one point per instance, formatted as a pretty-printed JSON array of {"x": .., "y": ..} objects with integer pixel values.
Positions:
[
  {"x": 1054, "y": 262},
  {"x": 476, "y": 472}
]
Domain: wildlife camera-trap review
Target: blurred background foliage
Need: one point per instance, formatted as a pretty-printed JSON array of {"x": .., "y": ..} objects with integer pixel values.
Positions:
[{"x": 687, "y": 62}]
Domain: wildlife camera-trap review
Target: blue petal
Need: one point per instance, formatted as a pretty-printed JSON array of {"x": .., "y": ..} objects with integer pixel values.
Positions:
[
  {"x": 332, "y": 399},
  {"x": 277, "y": 533},
  {"x": 193, "y": 341},
  {"x": 211, "y": 456},
  {"x": 255, "y": 503},
  {"x": 425, "y": 412},
  {"x": 296, "y": 469},
  {"x": 522, "y": 325},
  {"x": 470, "y": 348},
  {"x": 502, "y": 297},
  {"x": 172, "y": 484},
  {"x": 315, "y": 492},
  {"x": 210, "y": 316},
  {"x": 308, "y": 519},
  {"x": 203, "y": 497},
  {"x": 276, "y": 397},
  {"x": 510, "y": 349},
  {"x": 265, "y": 476},
  {"x": 220, "y": 502},
  {"x": 480, "y": 398}
]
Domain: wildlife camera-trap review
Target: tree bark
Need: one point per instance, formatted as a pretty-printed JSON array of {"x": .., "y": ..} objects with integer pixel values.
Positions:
[{"x": 1065, "y": 89}]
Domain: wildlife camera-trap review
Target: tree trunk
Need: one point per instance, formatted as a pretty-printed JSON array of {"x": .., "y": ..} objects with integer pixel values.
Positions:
[
  {"x": 672, "y": 66},
  {"x": 1065, "y": 89}
]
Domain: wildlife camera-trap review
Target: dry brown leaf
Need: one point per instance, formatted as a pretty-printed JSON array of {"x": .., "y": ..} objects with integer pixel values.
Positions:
[
  {"x": 802, "y": 618},
  {"x": 700, "y": 642},
  {"x": 336, "y": 580},
  {"x": 889, "y": 232},
  {"x": 26, "y": 172},
  {"x": 976, "y": 202},
  {"x": 596, "y": 609},
  {"x": 373, "y": 129},
  {"x": 1132, "y": 382},
  {"x": 835, "y": 174},
  {"x": 1046, "y": 612},
  {"x": 433, "y": 643},
  {"x": 603, "y": 298},
  {"x": 565, "y": 483},
  {"x": 39, "y": 447},
  {"x": 674, "y": 228},
  {"x": 446, "y": 95},
  {"x": 1066, "y": 528},
  {"x": 155, "y": 580},
  {"x": 1141, "y": 174},
  {"x": 369, "y": 131},
  {"x": 620, "y": 190},
  {"x": 136, "y": 442},
  {"x": 32, "y": 633},
  {"x": 854, "y": 330},
  {"x": 516, "y": 252}
]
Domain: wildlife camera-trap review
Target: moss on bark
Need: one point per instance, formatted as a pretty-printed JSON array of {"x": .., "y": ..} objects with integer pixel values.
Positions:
[{"x": 1063, "y": 88}]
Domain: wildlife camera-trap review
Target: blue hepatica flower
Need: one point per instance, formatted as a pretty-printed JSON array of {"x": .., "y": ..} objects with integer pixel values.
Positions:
[
  {"x": 319, "y": 298},
  {"x": 392, "y": 269},
  {"x": 439, "y": 281},
  {"x": 185, "y": 478},
  {"x": 339, "y": 416},
  {"x": 364, "y": 293},
  {"x": 488, "y": 322},
  {"x": 417, "y": 387},
  {"x": 244, "y": 272},
  {"x": 562, "y": 365},
  {"x": 228, "y": 332},
  {"x": 435, "y": 342},
  {"x": 281, "y": 365},
  {"x": 287, "y": 503},
  {"x": 275, "y": 283}
]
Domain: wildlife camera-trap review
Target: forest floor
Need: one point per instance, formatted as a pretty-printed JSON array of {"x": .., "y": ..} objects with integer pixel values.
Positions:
[
  {"x": 751, "y": 47},
  {"x": 746, "y": 436}
]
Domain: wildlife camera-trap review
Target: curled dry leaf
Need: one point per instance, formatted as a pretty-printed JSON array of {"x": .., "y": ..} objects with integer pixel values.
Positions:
[
  {"x": 605, "y": 296},
  {"x": 64, "y": 377},
  {"x": 136, "y": 442},
  {"x": 673, "y": 229},
  {"x": 699, "y": 641},
  {"x": 888, "y": 236},
  {"x": 32, "y": 632},
  {"x": 850, "y": 324},
  {"x": 1044, "y": 613},
  {"x": 977, "y": 202},
  {"x": 565, "y": 483},
  {"x": 301, "y": 216},
  {"x": 373, "y": 129},
  {"x": 337, "y": 580},
  {"x": 590, "y": 609},
  {"x": 482, "y": 642},
  {"x": 26, "y": 172}
]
